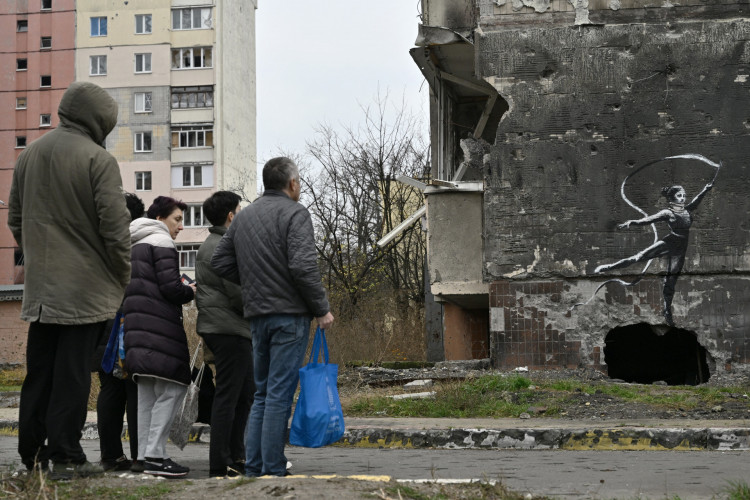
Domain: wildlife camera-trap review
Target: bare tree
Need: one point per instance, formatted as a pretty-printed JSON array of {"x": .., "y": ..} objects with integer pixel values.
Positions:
[{"x": 354, "y": 200}]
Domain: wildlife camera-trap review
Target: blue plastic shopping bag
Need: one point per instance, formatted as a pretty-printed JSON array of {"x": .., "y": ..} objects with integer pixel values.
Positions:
[{"x": 318, "y": 418}]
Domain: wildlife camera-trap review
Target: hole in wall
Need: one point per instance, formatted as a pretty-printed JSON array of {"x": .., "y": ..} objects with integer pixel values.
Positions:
[{"x": 646, "y": 354}]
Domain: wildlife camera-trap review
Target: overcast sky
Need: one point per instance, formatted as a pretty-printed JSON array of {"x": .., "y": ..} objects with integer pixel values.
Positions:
[{"x": 317, "y": 61}]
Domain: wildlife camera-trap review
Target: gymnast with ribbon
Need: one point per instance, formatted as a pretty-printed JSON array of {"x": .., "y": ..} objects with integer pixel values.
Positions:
[{"x": 673, "y": 246}]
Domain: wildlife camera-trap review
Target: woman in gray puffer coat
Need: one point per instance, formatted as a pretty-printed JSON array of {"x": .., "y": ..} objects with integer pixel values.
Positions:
[{"x": 156, "y": 350}]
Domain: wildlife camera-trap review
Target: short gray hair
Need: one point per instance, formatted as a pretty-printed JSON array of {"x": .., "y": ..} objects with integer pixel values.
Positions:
[{"x": 277, "y": 172}]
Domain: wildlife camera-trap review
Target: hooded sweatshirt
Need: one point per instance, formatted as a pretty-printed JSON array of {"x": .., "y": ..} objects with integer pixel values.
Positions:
[
  {"x": 155, "y": 341},
  {"x": 67, "y": 213}
]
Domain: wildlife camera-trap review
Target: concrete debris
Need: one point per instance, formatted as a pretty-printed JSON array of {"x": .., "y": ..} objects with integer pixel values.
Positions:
[
  {"x": 414, "y": 395},
  {"x": 418, "y": 384}
]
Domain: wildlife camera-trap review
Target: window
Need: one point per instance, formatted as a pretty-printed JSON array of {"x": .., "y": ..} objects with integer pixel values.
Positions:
[
  {"x": 193, "y": 216},
  {"x": 45, "y": 81},
  {"x": 142, "y": 24},
  {"x": 98, "y": 26},
  {"x": 46, "y": 4},
  {"x": 22, "y": 26},
  {"x": 193, "y": 97},
  {"x": 20, "y": 142},
  {"x": 143, "y": 181},
  {"x": 45, "y": 42},
  {"x": 192, "y": 176},
  {"x": 188, "y": 254},
  {"x": 20, "y": 103},
  {"x": 192, "y": 137},
  {"x": 191, "y": 19},
  {"x": 22, "y": 64},
  {"x": 198, "y": 57},
  {"x": 143, "y": 102},
  {"x": 143, "y": 63},
  {"x": 45, "y": 120},
  {"x": 98, "y": 66},
  {"x": 142, "y": 142}
]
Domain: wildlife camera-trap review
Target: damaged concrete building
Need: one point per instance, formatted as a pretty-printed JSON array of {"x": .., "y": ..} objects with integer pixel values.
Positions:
[{"x": 555, "y": 126}]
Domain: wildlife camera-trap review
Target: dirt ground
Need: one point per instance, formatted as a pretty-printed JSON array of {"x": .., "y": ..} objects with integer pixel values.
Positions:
[{"x": 576, "y": 405}]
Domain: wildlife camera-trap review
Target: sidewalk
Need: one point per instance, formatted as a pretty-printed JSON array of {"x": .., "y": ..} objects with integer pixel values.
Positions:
[{"x": 510, "y": 433}]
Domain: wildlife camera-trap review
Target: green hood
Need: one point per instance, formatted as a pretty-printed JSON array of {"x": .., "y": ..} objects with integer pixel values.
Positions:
[{"x": 89, "y": 108}]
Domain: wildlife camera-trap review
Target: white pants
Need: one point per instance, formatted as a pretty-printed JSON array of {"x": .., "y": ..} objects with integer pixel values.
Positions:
[{"x": 158, "y": 402}]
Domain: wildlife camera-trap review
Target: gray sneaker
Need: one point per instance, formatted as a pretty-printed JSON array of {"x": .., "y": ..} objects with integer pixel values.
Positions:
[{"x": 68, "y": 470}]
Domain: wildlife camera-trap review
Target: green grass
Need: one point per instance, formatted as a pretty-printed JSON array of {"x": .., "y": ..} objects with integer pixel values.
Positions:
[
  {"x": 501, "y": 396},
  {"x": 738, "y": 490}
]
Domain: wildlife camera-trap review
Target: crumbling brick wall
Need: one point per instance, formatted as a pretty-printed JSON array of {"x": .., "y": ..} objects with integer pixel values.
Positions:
[{"x": 589, "y": 104}]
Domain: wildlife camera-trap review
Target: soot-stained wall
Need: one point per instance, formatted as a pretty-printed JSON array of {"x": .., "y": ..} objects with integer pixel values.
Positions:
[{"x": 589, "y": 106}]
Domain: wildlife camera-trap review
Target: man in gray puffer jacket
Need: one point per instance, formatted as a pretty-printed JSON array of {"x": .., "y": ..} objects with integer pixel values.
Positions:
[{"x": 270, "y": 250}]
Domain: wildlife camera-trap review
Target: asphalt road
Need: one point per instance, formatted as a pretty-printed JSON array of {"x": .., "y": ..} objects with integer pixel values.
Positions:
[{"x": 561, "y": 474}]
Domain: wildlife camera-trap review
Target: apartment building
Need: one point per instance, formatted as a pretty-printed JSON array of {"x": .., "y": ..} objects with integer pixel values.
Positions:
[{"x": 183, "y": 74}]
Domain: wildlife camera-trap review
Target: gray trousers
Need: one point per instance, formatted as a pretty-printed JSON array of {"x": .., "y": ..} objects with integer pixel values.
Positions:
[{"x": 158, "y": 402}]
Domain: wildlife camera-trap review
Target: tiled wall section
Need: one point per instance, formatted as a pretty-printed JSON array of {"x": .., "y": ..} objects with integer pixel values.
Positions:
[{"x": 521, "y": 335}]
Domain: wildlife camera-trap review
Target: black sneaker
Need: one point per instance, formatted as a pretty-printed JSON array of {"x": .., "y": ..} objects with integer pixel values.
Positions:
[
  {"x": 68, "y": 470},
  {"x": 165, "y": 468},
  {"x": 121, "y": 463},
  {"x": 137, "y": 466}
]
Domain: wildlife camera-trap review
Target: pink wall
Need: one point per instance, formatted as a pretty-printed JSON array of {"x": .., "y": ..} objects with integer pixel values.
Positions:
[{"x": 59, "y": 62}]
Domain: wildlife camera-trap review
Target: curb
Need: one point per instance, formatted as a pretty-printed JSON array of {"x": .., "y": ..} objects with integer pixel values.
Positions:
[
  {"x": 622, "y": 438},
  {"x": 552, "y": 438}
]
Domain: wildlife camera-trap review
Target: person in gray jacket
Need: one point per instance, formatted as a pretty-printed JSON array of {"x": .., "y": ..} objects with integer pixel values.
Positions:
[
  {"x": 270, "y": 250},
  {"x": 227, "y": 335}
]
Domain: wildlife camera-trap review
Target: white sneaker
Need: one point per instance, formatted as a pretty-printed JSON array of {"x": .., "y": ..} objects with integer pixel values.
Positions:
[{"x": 288, "y": 465}]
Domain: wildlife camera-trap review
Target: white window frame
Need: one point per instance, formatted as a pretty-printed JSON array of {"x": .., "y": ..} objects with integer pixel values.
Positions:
[
  {"x": 192, "y": 135},
  {"x": 25, "y": 62},
  {"x": 21, "y": 103},
  {"x": 95, "y": 63},
  {"x": 203, "y": 95},
  {"x": 143, "y": 102},
  {"x": 145, "y": 62},
  {"x": 183, "y": 175},
  {"x": 192, "y": 213},
  {"x": 98, "y": 20},
  {"x": 41, "y": 82},
  {"x": 21, "y": 142},
  {"x": 141, "y": 26},
  {"x": 139, "y": 142},
  {"x": 48, "y": 2},
  {"x": 142, "y": 179},
  {"x": 45, "y": 120},
  {"x": 22, "y": 26},
  {"x": 180, "y": 56},
  {"x": 42, "y": 46},
  {"x": 195, "y": 15},
  {"x": 188, "y": 254}
]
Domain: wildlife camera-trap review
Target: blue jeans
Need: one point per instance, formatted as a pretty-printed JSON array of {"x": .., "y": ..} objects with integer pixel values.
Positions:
[{"x": 279, "y": 345}]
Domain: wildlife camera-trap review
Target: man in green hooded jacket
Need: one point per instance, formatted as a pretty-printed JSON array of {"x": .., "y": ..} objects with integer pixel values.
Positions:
[{"x": 68, "y": 214}]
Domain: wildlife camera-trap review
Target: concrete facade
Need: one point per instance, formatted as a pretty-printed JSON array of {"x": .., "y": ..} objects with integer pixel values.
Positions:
[
  {"x": 592, "y": 99},
  {"x": 23, "y": 23}
]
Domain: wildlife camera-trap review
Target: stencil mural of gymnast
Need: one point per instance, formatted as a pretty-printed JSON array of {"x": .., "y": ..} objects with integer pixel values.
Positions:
[{"x": 673, "y": 246}]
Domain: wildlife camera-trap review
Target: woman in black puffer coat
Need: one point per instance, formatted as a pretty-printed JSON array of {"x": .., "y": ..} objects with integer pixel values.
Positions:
[{"x": 156, "y": 350}]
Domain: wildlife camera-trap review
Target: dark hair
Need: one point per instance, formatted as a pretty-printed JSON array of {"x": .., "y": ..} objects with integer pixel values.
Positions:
[
  {"x": 277, "y": 172},
  {"x": 216, "y": 208},
  {"x": 163, "y": 206},
  {"x": 135, "y": 206},
  {"x": 669, "y": 191}
]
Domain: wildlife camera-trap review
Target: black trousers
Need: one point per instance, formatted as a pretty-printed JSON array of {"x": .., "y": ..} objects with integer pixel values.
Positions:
[
  {"x": 115, "y": 396},
  {"x": 55, "y": 392},
  {"x": 235, "y": 389}
]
